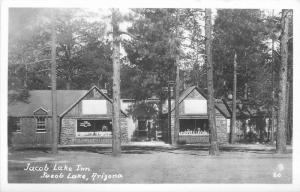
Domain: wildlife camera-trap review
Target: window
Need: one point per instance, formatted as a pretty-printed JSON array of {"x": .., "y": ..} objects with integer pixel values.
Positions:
[
  {"x": 94, "y": 128},
  {"x": 40, "y": 124},
  {"x": 193, "y": 127},
  {"x": 14, "y": 124},
  {"x": 18, "y": 125}
]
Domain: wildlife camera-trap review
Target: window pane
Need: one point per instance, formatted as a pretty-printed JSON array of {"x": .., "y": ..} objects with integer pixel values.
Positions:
[
  {"x": 41, "y": 125},
  {"x": 193, "y": 126},
  {"x": 94, "y": 128},
  {"x": 14, "y": 124},
  {"x": 18, "y": 125}
]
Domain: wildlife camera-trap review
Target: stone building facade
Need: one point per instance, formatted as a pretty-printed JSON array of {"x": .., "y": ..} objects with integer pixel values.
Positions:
[{"x": 193, "y": 118}]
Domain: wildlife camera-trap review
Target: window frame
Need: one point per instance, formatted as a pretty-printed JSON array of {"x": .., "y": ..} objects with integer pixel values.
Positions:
[
  {"x": 18, "y": 125},
  {"x": 41, "y": 124},
  {"x": 80, "y": 134}
]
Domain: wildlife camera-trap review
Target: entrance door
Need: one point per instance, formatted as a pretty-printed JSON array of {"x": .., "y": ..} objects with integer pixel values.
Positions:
[{"x": 142, "y": 128}]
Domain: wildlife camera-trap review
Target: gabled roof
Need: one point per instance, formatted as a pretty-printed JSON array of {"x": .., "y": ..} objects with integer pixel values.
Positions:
[
  {"x": 219, "y": 104},
  {"x": 81, "y": 98},
  {"x": 39, "y": 111},
  {"x": 66, "y": 99}
]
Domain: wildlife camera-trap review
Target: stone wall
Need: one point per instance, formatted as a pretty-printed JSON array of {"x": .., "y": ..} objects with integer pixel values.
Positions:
[
  {"x": 221, "y": 126},
  {"x": 68, "y": 128},
  {"x": 68, "y": 134}
]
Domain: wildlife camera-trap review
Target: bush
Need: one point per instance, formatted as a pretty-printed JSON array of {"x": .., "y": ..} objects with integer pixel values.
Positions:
[{"x": 251, "y": 137}]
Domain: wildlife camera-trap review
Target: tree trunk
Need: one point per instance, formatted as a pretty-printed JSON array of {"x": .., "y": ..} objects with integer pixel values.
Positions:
[
  {"x": 68, "y": 84},
  {"x": 176, "y": 126},
  {"x": 233, "y": 120},
  {"x": 169, "y": 113},
  {"x": 214, "y": 148},
  {"x": 116, "y": 140},
  {"x": 287, "y": 130},
  {"x": 274, "y": 116},
  {"x": 53, "y": 84},
  {"x": 281, "y": 133},
  {"x": 290, "y": 103},
  {"x": 177, "y": 85}
]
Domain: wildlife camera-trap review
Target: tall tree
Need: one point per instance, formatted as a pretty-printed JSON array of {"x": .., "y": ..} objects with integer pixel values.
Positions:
[
  {"x": 254, "y": 70},
  {"x": 152, "y": 62},
  {"x": 273, "y": 120},
  {"x": 176, "y": 54},
  {"x": 116, "y": 139},
  {"x": 83, "y": 51},
  {"x": 230, "y": 28},
  {"x": 53, "y": 84},
  {"x": 282, "y": 118},
  {"x": 233, "y": 119},
  {"x": 214, "y": 148}
]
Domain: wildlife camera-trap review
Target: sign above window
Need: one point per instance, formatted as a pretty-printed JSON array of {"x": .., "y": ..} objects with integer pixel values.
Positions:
[
  {"x": 94, "y": 107},
  {"x": 195, "y": 106}
]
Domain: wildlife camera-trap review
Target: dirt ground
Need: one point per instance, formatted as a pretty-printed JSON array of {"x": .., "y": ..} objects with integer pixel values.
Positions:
[{"x": 151, "y": 163}]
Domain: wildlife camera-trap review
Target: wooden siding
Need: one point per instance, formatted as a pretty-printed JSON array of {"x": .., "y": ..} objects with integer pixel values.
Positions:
[
  {"x": 76, "y": 110},
  {"x": 28, "y": 134},
  {"x": 193, "y": 138},
  {"x": 194, "y": 95}
]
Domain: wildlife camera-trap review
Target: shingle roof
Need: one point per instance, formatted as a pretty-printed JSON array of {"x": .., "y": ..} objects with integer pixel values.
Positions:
[{"x": 42, "y": 98}]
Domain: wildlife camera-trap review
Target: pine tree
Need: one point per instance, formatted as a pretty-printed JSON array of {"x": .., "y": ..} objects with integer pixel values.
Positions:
[
  {"x": 176, "y": 54},
  {"x": 214, "y": 148},
  {"x": 233, "y": 119},
  {"x": 282, "y": 119},
  {"x": 53, "y": 84},
  {"x": 116, "y": 139}
]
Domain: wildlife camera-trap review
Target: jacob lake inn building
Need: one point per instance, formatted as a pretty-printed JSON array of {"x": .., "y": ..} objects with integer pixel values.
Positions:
[{"x": 85, "y": 118}]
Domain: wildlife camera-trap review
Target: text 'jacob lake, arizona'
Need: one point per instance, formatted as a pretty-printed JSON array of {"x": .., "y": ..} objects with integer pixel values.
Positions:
[{"x": 69, "y": 172}]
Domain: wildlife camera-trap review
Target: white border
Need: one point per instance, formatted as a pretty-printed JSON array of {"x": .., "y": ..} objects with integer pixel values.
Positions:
[{"x": 262, "y": 4}]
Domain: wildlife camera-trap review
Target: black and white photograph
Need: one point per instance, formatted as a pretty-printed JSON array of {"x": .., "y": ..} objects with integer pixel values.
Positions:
[{"x": 106, "y": 95}]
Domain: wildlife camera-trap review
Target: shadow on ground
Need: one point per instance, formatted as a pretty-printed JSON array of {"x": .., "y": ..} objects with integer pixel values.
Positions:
[{"x": 199, "y": 150}]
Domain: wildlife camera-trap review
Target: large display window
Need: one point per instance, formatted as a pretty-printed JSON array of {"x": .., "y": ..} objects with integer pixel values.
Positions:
[
  {"x": 94, "y": 128},
  {"x": 193, "y": 127}
]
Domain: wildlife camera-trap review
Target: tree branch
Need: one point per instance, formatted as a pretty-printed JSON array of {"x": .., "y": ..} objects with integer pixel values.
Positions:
[
  {"x": 37, "y": 61},
  {"x": 130, "y": 34},
  {"x": 43, "y": 70}
]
